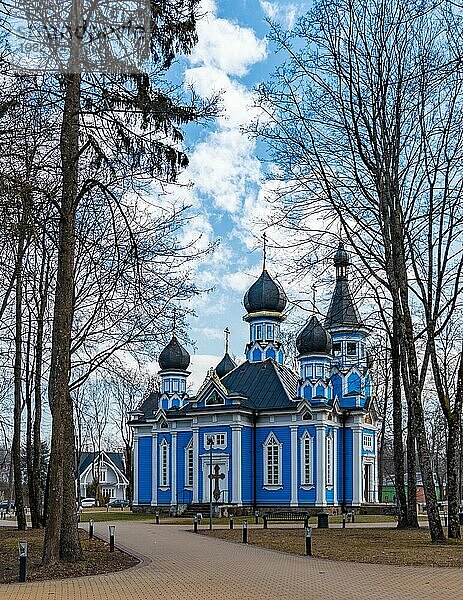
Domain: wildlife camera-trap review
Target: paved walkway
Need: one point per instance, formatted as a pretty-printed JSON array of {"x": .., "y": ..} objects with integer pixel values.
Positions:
[{"x": 179, "y": 564}]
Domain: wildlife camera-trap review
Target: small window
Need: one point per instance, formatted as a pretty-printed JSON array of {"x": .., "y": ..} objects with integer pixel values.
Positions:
[
  {"x": 337, "y": 348},
  {"x": 259, "y": 332},
  {"x": 368, "y": 442},
  {"x": 102, "y": 475},
  {"x": 329, "y": 459},
  {"x": 189, "y": 464},
  {"x": 175, "y": 387},
  {"x": 319, "y": 371},
  {"x": 164, "y": 464},
  {"x": 166, "y": 387},
  {"x": 219, "y": 440},
  {"x": 269, "y": 332},
  {"x": 351, "y": 349},
  {"x": 307, "y": 416},
  {"x": 272, "y": 461}
]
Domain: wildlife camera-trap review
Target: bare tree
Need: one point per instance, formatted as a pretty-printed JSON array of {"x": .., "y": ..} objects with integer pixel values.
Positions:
[{"x": 365, "y": 121}]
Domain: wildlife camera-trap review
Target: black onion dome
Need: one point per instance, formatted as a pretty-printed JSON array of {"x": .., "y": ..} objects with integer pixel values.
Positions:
[
  {"x": 265, "y": 295},
  {"x": 226, "y": 365},
  {"x": 174, "y": 356},
  {"x": 314, "y": 339}
]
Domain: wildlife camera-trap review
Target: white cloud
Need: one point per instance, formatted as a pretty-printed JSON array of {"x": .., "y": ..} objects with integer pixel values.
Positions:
[
  {"x": 239, "y": 281},
  {"x": 226, "y": 45},
  {"x": 223, "y": 167},
  {"x": 286, "y": 14}
]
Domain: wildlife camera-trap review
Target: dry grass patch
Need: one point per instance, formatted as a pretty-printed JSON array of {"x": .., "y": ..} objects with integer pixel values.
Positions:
[
  {"x": 382, "y": 546},
  {"x": 97, "y": 558}
]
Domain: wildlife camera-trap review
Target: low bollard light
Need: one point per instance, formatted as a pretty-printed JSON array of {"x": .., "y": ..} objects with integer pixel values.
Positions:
[
  {"x": 353, "y": 516},
  {"x": 445, "y": 520},
  {"x": 232, "y": 521},
  {"x": 344, "y": 520},
  {"x": 90, "y": 529},
  {"x": 157, "y": 517},
  {"x": 111, "y": 537},
  {"x": 195, "y": 524},
  {"x": 245, "y": 532},
  {"x": 22, "y": 549},
  {"x": 308, "y": 541},
  {"x": 265, "y": 526},
  {"x": 256, "y": 514},
  {"x": 306, "y": 521}
]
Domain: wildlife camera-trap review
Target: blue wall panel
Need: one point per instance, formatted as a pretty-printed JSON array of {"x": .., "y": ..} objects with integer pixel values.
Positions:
[
  {"x": 274, "y": 496},
  {"x": 306, "y": 496},
  {"x": 247, "y": 463},
  {"x": 184, "y": 495},
  {"x": 349, "y": 465},
  {"x": 144, "y": 469}
]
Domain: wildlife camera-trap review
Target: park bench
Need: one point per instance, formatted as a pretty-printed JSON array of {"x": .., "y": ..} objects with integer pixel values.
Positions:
[{"x": 286, "y": 516}]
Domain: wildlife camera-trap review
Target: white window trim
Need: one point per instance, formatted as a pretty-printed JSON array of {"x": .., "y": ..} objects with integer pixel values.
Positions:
[
  {"x": 188, "y": 449},
  {"x": 164, "y": 454},
  {"x": 367, "y": 442},
  {"x": 329, "y": 460},
  {"x": 216, "y": 445},
  {"x": 306, "y": 438},
  {"x": 272, "y": 440}
]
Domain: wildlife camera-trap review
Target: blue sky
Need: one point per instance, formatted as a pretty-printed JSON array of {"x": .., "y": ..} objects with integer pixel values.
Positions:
[{"x": 228, "y": 195}]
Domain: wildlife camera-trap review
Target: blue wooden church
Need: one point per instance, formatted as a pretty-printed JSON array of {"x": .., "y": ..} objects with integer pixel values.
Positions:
[{"x": 275, "y": 438}]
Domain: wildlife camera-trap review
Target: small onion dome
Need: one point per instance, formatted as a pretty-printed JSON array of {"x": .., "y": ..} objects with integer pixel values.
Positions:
[
  {"x": 226, "y": 365},
  {"x": 341, "y": 258},
  {"x": 265, "y": 295},
  {"x": 174, "y": 356},
  {"x": 314, "y": 339}
]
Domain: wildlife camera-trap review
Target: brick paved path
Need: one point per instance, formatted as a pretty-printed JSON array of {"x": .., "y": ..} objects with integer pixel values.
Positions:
[{"x": 180, "y": 565}]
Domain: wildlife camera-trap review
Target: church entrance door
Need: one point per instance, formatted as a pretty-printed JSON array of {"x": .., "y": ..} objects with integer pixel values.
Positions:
[
  {"x": 368, "y": 482},
  {"x": 219, "y": 478}
]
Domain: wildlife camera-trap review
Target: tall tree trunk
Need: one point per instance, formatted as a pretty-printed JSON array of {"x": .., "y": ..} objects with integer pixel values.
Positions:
[
  {"x": 411, "y": 470},
  {"x": 16, "y": 445},
  {"x": 396, "y": 270},
  {"x": 61, "y": 533},
  {"x": 454, "y": 458},
  {"x": 397, "y": 423},
  {"x": 37, "y": 509},
  {"x": 28, "y": 397}
]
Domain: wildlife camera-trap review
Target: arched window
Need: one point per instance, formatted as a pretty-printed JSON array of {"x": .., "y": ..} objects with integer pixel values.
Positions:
[
  {"x": 164, "y": 463},
  {"x": 306, "y": 459},
  {"x": 329, "y": 458},
  {"x": 189, "y": 464},
  {"x": 272, "y": 461}
]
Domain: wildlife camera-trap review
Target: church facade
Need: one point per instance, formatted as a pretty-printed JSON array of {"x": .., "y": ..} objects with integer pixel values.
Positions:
[{"x": 257, "y": 434}]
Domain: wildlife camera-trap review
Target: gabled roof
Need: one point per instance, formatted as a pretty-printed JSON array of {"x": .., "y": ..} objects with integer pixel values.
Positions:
[
  {"x": 265, "y": 385},
  {"x": 86, "y": 458}
]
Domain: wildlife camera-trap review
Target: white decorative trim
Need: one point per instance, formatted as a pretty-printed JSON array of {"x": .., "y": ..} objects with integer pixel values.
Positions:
[
  {"x": 335, "y": 466},
  {"x": 164, "y": 465},
  {"x": 189, "y": 449},
  {"x": 294, "y": 498},
  {"x": 220, "y": 440},
  {"x": 272, "y": 440},
  {"x": 306, "y": 437},
  {"x": 236, "y": 464},
  {"x": 329, "y": 459},
  {"x": 195, "y": 464},
  {"x": 357, "y": 492},
  {"x": 135, "y": 469},
  {"x": 320, "y": 479},
  {"x": 154, "y": 469},
  {"x": 173, "y": 498}
]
